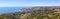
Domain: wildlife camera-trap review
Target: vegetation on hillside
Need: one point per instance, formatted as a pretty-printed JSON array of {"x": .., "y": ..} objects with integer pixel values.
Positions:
[{"x": 33, "y": 13}]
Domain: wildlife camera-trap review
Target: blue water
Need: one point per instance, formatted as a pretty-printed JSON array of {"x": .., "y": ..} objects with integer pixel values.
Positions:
[{"x": 10, "y": 9}]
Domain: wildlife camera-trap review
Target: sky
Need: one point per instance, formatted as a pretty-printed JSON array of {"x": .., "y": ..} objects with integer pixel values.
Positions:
[{"x": 4, "y": 3}]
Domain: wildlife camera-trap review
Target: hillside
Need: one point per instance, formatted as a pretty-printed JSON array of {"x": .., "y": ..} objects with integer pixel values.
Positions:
[{"x": 34, "y": 13}]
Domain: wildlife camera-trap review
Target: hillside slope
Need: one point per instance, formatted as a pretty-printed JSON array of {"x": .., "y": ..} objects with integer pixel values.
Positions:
[{"x": 33, "y": 13}]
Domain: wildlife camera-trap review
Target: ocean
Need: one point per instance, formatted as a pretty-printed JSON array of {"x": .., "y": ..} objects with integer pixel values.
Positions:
[{"x": 10, "y": 9}]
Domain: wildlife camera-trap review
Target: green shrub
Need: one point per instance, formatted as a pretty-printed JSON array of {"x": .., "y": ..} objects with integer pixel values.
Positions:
[{"x": 39, "y": 17}]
